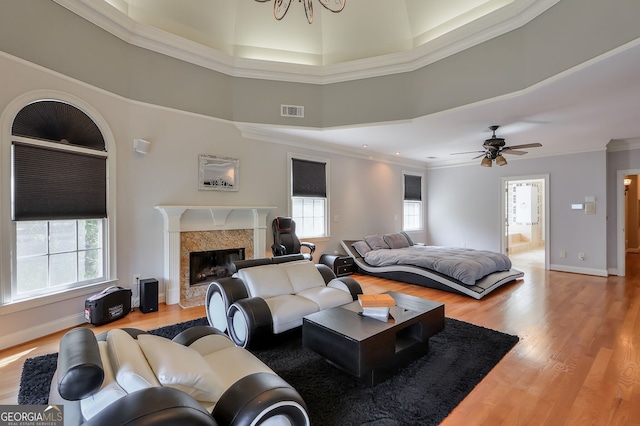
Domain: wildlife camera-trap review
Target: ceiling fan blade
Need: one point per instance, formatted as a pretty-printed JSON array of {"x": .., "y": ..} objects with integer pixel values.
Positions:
[
  {"x": 526, "y": 145},
  {"x": 468, "y": 152},
  {"x": 513, "y": 152},
  {"x": 479, "y": 156}
]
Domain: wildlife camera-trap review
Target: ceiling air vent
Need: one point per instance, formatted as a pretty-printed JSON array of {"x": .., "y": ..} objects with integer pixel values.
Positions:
[{"x": 292, "y": 111}]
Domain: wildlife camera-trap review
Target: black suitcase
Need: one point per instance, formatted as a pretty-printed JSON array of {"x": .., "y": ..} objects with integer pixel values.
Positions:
[{"x": 109, "y": 305}]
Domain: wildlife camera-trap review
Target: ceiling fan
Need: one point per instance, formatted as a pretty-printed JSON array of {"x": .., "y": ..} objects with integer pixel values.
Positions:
[{"x": 494, "y": 148}]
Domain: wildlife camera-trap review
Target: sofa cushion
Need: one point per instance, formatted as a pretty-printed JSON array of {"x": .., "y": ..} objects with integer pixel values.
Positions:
[
  {"x": 130, "y": 367},
  {"x": 180, "y": 367},
  {"x": 303, "y": 275},
  {"x": 326, "y": 297},
  {"x": 287, "y": 311},
  {"x": 232, "y": 364},
  {"x": 212, "y": 343},
  {"x": 266, "y": 281}
]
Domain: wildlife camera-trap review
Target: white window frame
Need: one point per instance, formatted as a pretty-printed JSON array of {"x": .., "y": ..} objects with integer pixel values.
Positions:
[
  {"x": 299, "y": 229},
  {"x": 8, "y": 228},
  {"x": 407, "y": 203}
]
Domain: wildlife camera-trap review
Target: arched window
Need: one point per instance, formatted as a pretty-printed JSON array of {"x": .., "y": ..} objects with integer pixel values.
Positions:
[{"x": 59, "y": 200}]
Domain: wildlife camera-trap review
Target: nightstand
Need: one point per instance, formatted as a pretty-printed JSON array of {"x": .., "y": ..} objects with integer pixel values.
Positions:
[{"x": 341, "y": 265}]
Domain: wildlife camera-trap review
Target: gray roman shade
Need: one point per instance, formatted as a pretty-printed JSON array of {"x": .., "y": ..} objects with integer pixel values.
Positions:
[
  {"x": 412, "y": 188},
  {"x": 309, "y": 178}
]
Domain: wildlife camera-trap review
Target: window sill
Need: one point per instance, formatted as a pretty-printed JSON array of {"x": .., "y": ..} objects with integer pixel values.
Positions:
[{"x": 23, "y": 305}]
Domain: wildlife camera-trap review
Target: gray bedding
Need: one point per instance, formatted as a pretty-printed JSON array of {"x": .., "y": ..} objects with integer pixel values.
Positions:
[{"x": 466, "y": 265}]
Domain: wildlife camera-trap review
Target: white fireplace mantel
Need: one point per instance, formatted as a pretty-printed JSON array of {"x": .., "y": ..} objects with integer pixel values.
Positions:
[{"x": 206, "y": 218}]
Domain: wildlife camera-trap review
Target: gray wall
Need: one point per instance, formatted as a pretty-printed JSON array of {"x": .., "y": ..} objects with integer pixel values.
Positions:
[{"x": 464, "y": 207}]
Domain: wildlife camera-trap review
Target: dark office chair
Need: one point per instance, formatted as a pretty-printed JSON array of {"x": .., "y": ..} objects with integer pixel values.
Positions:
[{"x": 285, "y": 240}]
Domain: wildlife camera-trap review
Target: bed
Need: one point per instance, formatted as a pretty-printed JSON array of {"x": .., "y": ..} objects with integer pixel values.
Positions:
[{"x": 470, "y": 272}]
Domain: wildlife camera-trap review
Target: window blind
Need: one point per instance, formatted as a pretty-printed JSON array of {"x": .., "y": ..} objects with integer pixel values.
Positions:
[
  {"x": 412, "y": 188},
  {"x": 51, "y": 184},
  {"x": 309, "y": 178}
]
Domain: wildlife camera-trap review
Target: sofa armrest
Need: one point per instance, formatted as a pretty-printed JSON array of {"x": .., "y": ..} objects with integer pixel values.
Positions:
[
  {"x": 347, "y": 284},
  {"x": 80, "y": 372},
  {"x": 326, "y": 272},
  {"x": 158, "y": 406},
  {"x": 259, "y": 397},
  {"x": 250, "y": 322},
  {"x": 220, "y": 295}
]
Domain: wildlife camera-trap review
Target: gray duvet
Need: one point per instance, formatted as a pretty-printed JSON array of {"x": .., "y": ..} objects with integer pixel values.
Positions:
[{"x": 466, "y": 265}]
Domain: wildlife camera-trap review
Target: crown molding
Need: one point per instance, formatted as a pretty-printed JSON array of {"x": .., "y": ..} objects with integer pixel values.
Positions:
[
  {"x": 616, "y": 145},
  {"x": 505, "y": 19}
]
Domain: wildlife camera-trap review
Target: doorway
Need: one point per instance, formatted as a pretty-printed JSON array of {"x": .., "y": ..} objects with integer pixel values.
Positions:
[
  {"x": 628, "y": 218},
  {"x": 525, "y": 206}
]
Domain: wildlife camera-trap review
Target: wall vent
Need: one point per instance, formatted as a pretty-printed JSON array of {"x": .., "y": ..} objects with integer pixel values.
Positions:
[{"x": 292, "y": 111}]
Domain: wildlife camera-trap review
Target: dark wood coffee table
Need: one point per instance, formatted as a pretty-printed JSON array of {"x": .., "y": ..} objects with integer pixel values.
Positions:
[{"x": 368, "y": 348}]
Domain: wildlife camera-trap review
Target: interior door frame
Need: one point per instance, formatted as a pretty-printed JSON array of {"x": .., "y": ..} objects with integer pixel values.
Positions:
[
  {"x": 503, "y": 208},
  {"x": 621, "y": 268}
]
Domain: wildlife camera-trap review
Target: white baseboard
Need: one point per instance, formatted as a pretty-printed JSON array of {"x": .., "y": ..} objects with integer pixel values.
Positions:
[
  {"x": 49, "y": 327},
  {"x": 577, "y": 270}
]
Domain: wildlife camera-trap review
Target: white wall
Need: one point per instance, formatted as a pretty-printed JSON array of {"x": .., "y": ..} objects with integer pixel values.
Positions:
[
  {"x": 365, "y": 194},
  {"x": 464, "y": 207}
]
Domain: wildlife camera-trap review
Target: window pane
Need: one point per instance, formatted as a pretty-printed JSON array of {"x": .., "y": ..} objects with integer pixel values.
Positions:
[
  {"x": 31, "y": 274},
  {"x": 310, "y": 216},
  {"x": 62, "y": 268},
  {"x": 62, "y": 236},
  {"x": 89, "y": 265},
  {"x": 412, "y": 215},
  {"x": 89, "y": 234},
  {"x": 31, "y": 238}
]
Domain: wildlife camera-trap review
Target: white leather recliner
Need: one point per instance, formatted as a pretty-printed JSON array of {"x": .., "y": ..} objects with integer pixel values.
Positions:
[
  {"x": 271, "y": 295},
  {"x": 127, "y": 376}
]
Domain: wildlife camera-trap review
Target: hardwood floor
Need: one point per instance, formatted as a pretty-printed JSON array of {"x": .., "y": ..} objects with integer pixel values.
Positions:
[{"x": 577, "y": 362}]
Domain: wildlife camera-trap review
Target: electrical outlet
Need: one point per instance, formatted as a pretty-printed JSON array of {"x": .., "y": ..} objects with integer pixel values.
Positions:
[
  {"x": 580, "y": 256},
  {"x": 563, "y": 253},
  {"x": 135, "y": 282}
]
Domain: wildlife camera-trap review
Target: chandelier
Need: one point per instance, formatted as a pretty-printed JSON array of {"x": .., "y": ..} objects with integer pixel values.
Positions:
[{"x": 280, "y": 7}]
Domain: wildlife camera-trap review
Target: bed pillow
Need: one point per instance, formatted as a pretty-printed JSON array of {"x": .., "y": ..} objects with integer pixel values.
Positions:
[
  {"x": 376, "y": 242},
  {"x": 409, "y": 240},
  {"x": 396, "y": 241},
  {"x": 361, "y": 247}
]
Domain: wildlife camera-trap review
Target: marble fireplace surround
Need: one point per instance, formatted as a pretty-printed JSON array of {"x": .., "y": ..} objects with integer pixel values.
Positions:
[{"x": 200, "y": 227}]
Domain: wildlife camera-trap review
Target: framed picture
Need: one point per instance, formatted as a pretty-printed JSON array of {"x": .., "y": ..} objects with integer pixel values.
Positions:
[{"x": 217, "y": 173}]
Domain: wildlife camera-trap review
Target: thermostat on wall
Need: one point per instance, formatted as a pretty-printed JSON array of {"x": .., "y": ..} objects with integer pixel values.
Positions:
[{"x": 577, "y": 206}]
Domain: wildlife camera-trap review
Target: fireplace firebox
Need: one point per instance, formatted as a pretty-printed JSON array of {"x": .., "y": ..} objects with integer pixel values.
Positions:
[{"x": 205, "y": 266}]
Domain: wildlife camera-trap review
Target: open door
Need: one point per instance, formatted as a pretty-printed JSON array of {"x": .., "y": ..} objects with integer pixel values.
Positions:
[{"x": 524, "y": 220}]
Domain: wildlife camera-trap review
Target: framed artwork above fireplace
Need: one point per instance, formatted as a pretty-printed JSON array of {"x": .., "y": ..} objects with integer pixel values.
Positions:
[{"x": 217, "y": 173}]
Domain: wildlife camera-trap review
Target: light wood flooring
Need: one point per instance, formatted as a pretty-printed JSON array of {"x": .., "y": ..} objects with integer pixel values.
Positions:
[{"x": 577, "y": 362}]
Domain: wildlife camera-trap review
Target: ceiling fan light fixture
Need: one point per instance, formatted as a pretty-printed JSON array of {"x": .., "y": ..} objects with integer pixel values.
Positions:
[
  {"x": 500, "y": 160},
  {"x": 486, "y": 162}
]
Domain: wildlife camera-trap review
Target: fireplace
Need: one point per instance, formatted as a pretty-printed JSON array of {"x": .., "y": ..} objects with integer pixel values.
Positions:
[
  {"x": 203, "y": 228},
  {"x": 206, "y": 266}
]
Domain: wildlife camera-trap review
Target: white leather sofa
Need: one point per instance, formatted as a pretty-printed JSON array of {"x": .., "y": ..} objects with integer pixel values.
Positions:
[
  {"x": 271, "y": 295},
  {"x": 129, "y": 377}
]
